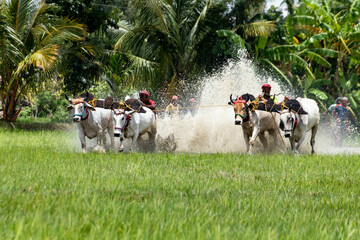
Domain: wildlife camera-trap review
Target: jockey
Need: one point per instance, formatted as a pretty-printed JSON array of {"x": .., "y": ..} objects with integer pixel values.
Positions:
[
  {"x": 147, "y": 102},
  {"x": 266, "y": 88},
  {"x": 173, "y": 108}
]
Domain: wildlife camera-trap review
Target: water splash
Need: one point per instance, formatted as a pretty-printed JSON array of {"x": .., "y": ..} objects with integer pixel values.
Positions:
[{"x": 212, "y": 129}]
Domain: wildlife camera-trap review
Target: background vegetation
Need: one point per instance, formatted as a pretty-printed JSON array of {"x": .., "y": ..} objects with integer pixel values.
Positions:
[{"x": 167, "y": 45}]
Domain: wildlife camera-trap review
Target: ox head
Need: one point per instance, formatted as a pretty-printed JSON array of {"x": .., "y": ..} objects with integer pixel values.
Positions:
[
  {"x": 288, "y": 121},
  {"x": 240, "y": 109},
  {"x": 121, "y": 120},
  {"x": 81, "y": 108}
]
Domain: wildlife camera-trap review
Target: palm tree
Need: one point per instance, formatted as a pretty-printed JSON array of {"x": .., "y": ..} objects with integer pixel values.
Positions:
[
  {"x": 32, "y": 42},
  {"x": 162, "y": 42}
]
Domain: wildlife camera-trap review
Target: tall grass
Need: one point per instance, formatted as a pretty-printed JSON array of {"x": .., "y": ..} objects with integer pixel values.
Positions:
[{"x": 49, "y": 190}]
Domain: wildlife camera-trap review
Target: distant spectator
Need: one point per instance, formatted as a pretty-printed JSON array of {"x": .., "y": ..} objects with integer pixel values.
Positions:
[
  {"x": 330, "y": 110},
  {"x": 192, "y": 106},
  {"x": 173, "y": 108},
  {"x": 342, "y": 116}
]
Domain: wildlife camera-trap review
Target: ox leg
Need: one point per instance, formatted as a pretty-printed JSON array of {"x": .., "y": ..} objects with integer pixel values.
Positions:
[
  {"x": 246, "y": 138},
  {"x": 300, "y": 142},
  {"x": 110, "y": 130},
  {"x": 121, "y": 146},
  {"x": 312, "y": 141},
  {"x": 292, "y": 143},
  {"x": 274, "y": 135},
  {"x": 254, "y": 135},
  {"x": 152, "y": 143},
  {"x": 263, "y": 140},
  {"x": 82, "y": 140},
  {"x": 134, "y": 139},
  {"x": 104, "y": 138},
  {"x": 100, "y": 136}
]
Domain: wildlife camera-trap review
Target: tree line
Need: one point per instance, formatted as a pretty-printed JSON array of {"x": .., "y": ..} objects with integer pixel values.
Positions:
[{"x": 166, "y": 45}]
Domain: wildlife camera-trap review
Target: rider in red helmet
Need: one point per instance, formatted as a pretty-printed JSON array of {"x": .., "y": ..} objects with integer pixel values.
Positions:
[
  {"x": 147, "y": 102},
  {"x": 266, "y": 88}
]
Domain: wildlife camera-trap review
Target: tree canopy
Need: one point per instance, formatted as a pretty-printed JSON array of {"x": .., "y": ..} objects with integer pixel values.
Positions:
[{"x": 165, "y": 45}]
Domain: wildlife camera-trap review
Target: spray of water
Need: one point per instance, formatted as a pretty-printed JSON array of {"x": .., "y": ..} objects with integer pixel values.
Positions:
[{"x": 212, "y": 129}]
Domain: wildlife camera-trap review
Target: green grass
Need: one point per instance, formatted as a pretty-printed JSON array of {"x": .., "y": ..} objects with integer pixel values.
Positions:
[{"x": 49, "y": 190}]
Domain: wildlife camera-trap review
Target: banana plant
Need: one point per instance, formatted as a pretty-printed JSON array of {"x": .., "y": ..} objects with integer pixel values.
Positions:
[{"x": 350, "y": 88}]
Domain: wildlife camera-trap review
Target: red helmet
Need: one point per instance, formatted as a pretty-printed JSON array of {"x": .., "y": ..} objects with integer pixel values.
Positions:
[
  {"x": 144, "y": 92},
  {"x": 174, "y": 97},
  {"x": 266, "y": 85}
]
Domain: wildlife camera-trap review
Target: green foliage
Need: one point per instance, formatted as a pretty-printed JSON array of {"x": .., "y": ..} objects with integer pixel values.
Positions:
[
  {"x": 95, "y": 14},
  {"x": 229, "y": 44},
  {"x": 101, "y": 89},
  {"x": 33, "y": 40},
  {"x": 47, "y": 106}
]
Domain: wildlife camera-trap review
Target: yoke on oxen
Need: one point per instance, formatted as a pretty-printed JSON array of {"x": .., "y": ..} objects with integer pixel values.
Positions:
[
  {"x": 271, "y": 106},
  {"x": 99, "y": 103},
  {"x": 254, "y": 123},
  {"x": 297, "y": 116}
]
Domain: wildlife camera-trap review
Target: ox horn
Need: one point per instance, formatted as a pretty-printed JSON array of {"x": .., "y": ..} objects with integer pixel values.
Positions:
[
  {"x": 232, "y": 101},
  {"x": 67, "y": 98},
  {"x": 87, "y": 95},
  {"x": 112, "y": 106}
]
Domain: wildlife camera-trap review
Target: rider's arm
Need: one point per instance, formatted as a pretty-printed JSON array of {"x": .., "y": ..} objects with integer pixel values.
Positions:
[
  {"x": 333, "y": 113},
  {"x": 151, "y": 105}
]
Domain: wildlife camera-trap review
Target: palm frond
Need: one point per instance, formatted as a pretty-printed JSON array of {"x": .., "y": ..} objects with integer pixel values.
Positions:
[
  {"x": 18, "y": 13},
  {"x": 43, "y": 59},
  {"x": 263, "y": 28},
  {"x": 142, "y": 68},
  {"x": 201, "y": 17},
  {"x": 123, "y": 28},
  {"x": 153, "y": 11},
  {"x": 64, "y": 30}
]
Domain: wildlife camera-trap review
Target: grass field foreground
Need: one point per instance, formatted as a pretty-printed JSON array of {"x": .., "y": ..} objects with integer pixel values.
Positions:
[{"x": 49, "y": 190}]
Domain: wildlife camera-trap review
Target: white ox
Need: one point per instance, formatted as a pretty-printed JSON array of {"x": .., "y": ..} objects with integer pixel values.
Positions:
[
  {"x": 132, "y": 124},
  {"x": 254, "y": 123},
  {"x": 296, "y": 125},
  {"x": 92, "y": 122}
]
